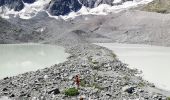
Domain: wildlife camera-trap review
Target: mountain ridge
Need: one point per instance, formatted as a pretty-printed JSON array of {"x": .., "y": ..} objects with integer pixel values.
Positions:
[{"x": 54, "y": 7}]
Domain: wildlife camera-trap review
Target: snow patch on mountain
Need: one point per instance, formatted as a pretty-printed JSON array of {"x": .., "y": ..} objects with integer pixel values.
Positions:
[
  {"x": 117, "y": 1},
  {"x": 104, "y": 9},
  {"x": 29, "y": 11}
]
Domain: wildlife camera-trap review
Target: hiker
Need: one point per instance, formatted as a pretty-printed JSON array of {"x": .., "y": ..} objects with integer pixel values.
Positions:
[
  {"x": 77, "y": 81},
  {"x": 81, "y": 98}
]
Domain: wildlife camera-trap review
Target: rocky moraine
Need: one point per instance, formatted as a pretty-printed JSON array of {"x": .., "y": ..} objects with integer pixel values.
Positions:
[{"x": 103, "y": 77}]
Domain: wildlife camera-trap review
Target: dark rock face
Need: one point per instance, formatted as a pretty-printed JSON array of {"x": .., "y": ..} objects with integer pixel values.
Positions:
[
  {"x": 63, "y": 7},
  {"x": 58, "y": 7},
  {"x": 17, "y": 5},
  {"x": 95, "y": 3},
  {"x": 29, "y": 1},
  {"x": 1, "y": 2},
  {"x": 87, "y": 3}
]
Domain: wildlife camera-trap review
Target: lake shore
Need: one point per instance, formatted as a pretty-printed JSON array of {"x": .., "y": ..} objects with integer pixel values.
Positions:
[
  {"x": 103, "y": 76},
  {"x": 153, "y": 61},
  {"x": 20, "y": 58}
]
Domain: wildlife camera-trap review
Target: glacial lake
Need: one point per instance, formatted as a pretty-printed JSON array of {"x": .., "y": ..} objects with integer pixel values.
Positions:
[
  {"x": 153, "y": 61},
  {"x": 19, "y": 58}
]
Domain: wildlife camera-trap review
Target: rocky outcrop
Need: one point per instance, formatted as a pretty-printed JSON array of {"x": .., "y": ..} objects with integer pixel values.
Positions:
[
  {"x": 17, "y": 5},
  {"x": 58, "y": 7},
  {"x": 62, "y": 7},
  {"x": 95, "y": 3},
  {"x": 14, "y": 33},
  {"x": 29, "y": 1}
]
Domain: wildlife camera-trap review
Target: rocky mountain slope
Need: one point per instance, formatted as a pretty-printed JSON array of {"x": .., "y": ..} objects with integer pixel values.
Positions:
[
  {"x": 8, "y": 31},
  {"x": 57, "y": 7},
  {"x": 144, "y": 28},
  {"x": 17, "y": 33},
  {"x": 160, "y": 6}
]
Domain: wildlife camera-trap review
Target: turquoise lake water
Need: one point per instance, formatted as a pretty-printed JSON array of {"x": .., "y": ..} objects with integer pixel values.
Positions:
[{"x": 19, "y": 58}]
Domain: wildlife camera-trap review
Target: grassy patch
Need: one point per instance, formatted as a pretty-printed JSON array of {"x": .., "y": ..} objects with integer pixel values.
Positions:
[
  {"x": 71, "y": 92},
  {"x": 168, "y": 98}
]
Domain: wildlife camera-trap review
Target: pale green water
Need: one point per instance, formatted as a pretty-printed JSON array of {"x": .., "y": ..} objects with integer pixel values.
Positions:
[
  {"x": 19, "y": 58},
  {"x": 154, "y": 61}
]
